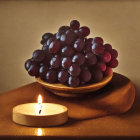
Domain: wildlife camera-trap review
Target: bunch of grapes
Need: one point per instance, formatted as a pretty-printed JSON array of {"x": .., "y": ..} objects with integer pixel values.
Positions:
[{"x": 70, "y": 58}]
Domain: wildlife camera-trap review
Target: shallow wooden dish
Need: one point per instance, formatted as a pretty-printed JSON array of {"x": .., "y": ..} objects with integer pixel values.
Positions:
[{"x": 62, "y": 90}]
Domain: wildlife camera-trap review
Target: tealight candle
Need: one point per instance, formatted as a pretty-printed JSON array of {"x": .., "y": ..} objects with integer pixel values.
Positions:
[{"x": 40, "y": 114}]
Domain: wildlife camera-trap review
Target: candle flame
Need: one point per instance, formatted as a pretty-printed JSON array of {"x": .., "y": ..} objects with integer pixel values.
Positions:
[{"x": 39, "y": 99}]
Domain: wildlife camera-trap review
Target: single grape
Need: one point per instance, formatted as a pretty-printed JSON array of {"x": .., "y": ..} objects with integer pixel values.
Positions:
[
  {"x": 33, "y": 70},
  {"x": 47, "y": 36},
  {"x": 114, "y": 54},
  {"x": 38, "y": 55},
  {"x": 55, "y": 62},
  {"x": 79, "y": 45},
  {"x": 63, "y": 38},
  {"x": 43, "y": 41},
  {"x": 97, "y": 49},
  {"x": 67, "y": 51},
  {"x": 85, "y": 31},
  {"x": 78, "y": 59},
  {"x": 42, "y": 71},
  {"x": 66, "y": 62},
  {"x": 108, "y": 71},
  {"x": 106, "y": 57},
  {"x": 101, "y": 66},
  {"x": 91, "y": 59},
  {"x": 73, "y": 81},
  {"x": 54, "y": 47},
  {"x": 70, "y": 37},
  {"x": 107, "y": 47},
  {"x": 51, "y": 76},
  {"x": 113, "y": 63},
  {"x": 28, "y": 63},
  {"x": 85, "y": 75},
  {"x": 74, "y": 70},
  {"x": 78, "y": 33},
  {"x": 63, "y": 76},
  {"x": 97, "y": 75},
  {"x": 49, "y": 41},
  {"x": 74, "y": 24},
  {"x": 58, "y": 35},
  {"x": 98, "y": 40},
  {"x": 63, "y": 29}
]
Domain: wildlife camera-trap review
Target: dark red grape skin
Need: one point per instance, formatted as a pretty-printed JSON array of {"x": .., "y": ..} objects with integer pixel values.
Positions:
[
  {"x": 85, "y": 75},
  {"x": 55, "y": 62},
  {"x": 70, "y": 37},
  {"x": 51, "y": 76},
  {"x": 66, "y": 62},
  {"x": 97, "y": 75},
  {"x": 67, "y": 51},
  {"x": 108, "y": 71},
  {"x": 33, "y": 70},
  {"x": 85, "y": 31},
  {"x": 114, "y": 54},
  {"x": 106, "y": 57},
  {"x": 101, "y": 66},
  {"x": 54, "y": 47},
  {"x": 38, "y": 55},
  {"x": 63, "y": 76},
  {"x": 79, "y": 45},
  {"x": 107, "y": 47},
  {"x": 97, "y": 49},
  {"x": 78, "y": 59},
  {"x": 90, "y": 59},
  {"x": 113, "y": 63},
  {"x": 42, "y": 72},
  {"x": 73, "y": 81},
  {"x": 63, "y": 29},
  {"x": 74, "y": 24},
  {"x": 98, "y": 40},
  {"x": 74, "y": 70}
]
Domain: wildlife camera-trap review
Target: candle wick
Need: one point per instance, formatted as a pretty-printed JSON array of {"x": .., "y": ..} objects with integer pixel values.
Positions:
[{"x": 39, "y": 111}]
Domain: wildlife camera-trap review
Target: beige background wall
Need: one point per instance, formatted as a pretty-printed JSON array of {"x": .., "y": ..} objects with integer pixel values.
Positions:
[{"x": 23, "y": 22}]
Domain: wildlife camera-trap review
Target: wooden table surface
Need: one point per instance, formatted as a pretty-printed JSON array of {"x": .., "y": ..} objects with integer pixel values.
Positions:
[{"x": 126, "y": 126}]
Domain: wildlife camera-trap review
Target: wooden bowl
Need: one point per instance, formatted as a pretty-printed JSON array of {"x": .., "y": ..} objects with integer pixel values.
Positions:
[{"x": 62, "y": 90}]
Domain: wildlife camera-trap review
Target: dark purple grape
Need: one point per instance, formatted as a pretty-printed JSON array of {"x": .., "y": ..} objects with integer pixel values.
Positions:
[
  {"x": 63, "y": 38},
  {"x": 58, "y": 35},
  {"x": 97, "y": 40},
  {"x": 79, "y": 45},
  {"x": 85, "y": 75},
  {"x": 78, "y": 59},
  {"x": 74, "y": 24},
  {"x": 33, "y": 70},
  {"x": 73, "y": 81},
  {"x": 97, "y": 49},
  {"x": 97, "y": 75},
  {"x": 90, "y": 59},
  {"x": 85, "y": 31},
  {"x": 42, "y": 72},
  {"x": 113, "y": 63},
  {"x": 66, "y": 62},
  {"x": 38, "y": 55},
  {"x": 106, "y": 57},
  {"x": 43, "y": 41},
  {"x": 108, "y": 71},
  {"x": 54, "y": 47},
  {"x": 87, "y": 48},
  {"x": 89, "y": 40},
  {"x": 51, "y": 76},
  {"x": 101, "y": 66},
  {"x": 47, "y": 36},
  {"x": 67, "y": 51},
  {"x": 114, "y": 54},
  {"x": 70, "y": 37},
  {"x": 107, "y": 47},
  {"x": 63, "y": 76},
  {"x": 74, "y": 70},
  {"x": 49, "y": 41},
  {"x": 63, "y": 29},
  {"x": 55, "y": 62},
  {"x": 28, "y": 63},
  {"x": 46, "y": 61},
  {"x": 78, "y": 33}
]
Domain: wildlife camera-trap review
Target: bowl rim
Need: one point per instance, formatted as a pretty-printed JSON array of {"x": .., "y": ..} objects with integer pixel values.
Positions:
[{"x": 59, "y": 86}]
